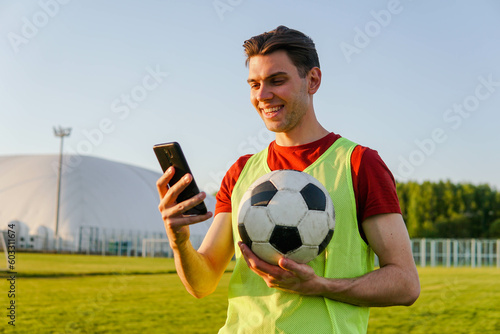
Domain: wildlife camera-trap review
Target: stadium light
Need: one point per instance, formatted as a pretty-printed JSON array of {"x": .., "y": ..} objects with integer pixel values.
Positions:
[{"x": 61, "y": 133}]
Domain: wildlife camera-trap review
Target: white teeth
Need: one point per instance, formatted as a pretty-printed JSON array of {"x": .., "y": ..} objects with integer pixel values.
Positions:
[{"x": 271, "y": 109}]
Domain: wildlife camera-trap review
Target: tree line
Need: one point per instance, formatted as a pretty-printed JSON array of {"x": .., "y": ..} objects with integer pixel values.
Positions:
[{"x": 450, "y": 210}]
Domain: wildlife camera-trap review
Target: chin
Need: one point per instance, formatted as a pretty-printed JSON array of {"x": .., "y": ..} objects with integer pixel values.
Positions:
[{"x": 272, "y": 128}]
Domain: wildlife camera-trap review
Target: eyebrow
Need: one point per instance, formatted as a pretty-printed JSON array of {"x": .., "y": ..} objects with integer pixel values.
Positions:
[{"x": 276, "y": 74}]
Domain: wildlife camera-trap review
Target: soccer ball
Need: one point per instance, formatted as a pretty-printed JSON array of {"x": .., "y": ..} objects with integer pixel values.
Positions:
[{"x": 286, "y": 213}]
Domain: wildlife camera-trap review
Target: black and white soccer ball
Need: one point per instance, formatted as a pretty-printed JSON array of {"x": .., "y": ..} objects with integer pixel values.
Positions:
[{"x": 286, "y": 213}]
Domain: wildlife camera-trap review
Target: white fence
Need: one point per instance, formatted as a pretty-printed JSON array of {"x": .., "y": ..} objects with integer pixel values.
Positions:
[
  {"x": 107, "y": 241},
  {"x": 426, "y": 252},
  {"x": 161, "y": 247},
  {"x": 456, "y": 252}
]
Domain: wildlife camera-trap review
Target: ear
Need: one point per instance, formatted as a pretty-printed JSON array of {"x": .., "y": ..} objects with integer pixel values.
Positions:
[{"x": 314, "y": 80}]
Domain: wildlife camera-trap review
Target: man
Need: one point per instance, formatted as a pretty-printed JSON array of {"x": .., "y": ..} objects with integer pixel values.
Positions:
[{"x": 332, "y": 293}]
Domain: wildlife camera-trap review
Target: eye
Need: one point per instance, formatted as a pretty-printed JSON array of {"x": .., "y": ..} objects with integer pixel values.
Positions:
[
  {"x": 278, "y": 82},
  {"x": 254, "y": 85}
]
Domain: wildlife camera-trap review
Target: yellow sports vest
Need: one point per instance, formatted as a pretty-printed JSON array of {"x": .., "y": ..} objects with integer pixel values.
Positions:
[{"x": 255, "y": 308}]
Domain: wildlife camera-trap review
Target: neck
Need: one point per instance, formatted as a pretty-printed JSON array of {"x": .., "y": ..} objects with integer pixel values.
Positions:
[{"x": 307, "y": 131}]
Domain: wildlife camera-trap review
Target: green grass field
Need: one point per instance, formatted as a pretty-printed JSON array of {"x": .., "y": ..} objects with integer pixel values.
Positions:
[{"x": 94, "y": 294}]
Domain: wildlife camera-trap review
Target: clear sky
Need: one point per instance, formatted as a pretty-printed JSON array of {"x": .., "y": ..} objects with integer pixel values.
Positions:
[{"x": 418, "y": 81}]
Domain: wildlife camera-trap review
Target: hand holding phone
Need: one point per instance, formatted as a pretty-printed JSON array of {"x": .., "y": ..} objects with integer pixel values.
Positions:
[{"x": 170, "y": 154}]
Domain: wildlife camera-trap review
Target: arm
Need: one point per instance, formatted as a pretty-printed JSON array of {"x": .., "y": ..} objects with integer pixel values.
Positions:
[
  {"x": 395, "y": 283},
  {"x": 199, "y": 271}
]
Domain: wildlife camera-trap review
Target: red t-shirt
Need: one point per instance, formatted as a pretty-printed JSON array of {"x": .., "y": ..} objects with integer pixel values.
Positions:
[{"x": 373, "y": 183}]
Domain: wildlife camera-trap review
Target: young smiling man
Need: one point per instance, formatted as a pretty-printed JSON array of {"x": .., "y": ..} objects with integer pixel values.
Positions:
[{"x": 332, "y": 293}]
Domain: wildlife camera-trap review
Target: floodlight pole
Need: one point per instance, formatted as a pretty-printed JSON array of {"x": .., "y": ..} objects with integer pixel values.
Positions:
[{"x": 61, "y": 133}]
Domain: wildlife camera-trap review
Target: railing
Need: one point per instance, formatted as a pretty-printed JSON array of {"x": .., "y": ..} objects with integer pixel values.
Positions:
[{"x": 456, "y": 252}]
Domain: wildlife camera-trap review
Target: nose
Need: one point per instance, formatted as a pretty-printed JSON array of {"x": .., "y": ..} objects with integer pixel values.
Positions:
[{"x": 264, "y": 93}]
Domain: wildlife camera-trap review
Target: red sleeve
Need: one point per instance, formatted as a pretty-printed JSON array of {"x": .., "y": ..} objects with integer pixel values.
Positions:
[
  {"x": 374, "y": 185},
  {"x": 223, "y": 196}
]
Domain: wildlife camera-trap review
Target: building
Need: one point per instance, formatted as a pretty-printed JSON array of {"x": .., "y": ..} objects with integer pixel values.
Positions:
[{"x": 106, "y": 206}]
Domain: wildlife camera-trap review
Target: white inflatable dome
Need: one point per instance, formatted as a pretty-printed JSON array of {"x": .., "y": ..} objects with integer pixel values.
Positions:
[{"x": 97, "y": 195}]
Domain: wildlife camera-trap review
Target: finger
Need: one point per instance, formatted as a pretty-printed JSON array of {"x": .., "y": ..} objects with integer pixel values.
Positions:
[
  {"x": 171, "y": 210},
  {"x": 258, "y": 265},
  {"x": 191, "y": 202},
  {"x": 250, "y": 258},
  {"x": 303, "y": 271},
  {"x": 171, "y": 193},
  {"x": 253, "y": 261},
  {"x": 288, "y": 264},
  {"x": 180, "y": 221},
  {"x": 179, "y": 186},
  {"x": 162, "y": 183},
  {"x": 168, "y": 208},
  {"x": 273, "y": 276}
]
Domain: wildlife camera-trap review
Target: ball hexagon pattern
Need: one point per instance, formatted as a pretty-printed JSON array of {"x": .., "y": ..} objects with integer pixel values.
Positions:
[{"x": 286, "y": 213}]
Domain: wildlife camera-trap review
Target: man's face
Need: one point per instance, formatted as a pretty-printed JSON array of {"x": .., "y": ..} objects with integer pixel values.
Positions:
[{"x": 277, "y": 91}]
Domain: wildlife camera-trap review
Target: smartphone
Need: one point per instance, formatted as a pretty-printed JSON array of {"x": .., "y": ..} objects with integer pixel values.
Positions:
[{"x": 170, "y": 154}]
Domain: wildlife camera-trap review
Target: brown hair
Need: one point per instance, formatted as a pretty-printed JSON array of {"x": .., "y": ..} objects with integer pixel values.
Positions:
[{"x": 299, "y": 47}]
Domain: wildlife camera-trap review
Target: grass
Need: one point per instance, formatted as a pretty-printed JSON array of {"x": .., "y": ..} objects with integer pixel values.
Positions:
[
  {"x": 116, "y": 304},
  {"x": 95, "y": 294},
  {"x": 452, "y": 300},
  {"x": 58, "y": 265},
  {"x": 49, "y": 265}
]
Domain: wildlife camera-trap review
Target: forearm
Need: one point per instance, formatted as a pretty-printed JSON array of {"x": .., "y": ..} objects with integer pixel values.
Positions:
[
  {"x": 195, "y": 270},
  {"x": 396, "y": 282},
  {"x": 201, "y": 270},
  {"x": 387, "y": 286}
]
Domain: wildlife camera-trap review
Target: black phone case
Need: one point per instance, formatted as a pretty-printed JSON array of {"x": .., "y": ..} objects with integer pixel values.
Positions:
[{"x": 170, "y": 154}]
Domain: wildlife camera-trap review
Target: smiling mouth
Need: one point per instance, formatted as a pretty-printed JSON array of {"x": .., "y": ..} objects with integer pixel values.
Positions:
[{"x": 271, "y": 112}]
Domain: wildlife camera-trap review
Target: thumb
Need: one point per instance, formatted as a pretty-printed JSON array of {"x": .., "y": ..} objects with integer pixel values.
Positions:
[{"x": 301, "y": 270}]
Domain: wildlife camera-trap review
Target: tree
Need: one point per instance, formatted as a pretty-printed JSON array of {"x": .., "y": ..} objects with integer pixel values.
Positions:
[
  {"x": 444, "y": 209},
  {"x": 494, "y": 231}
]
